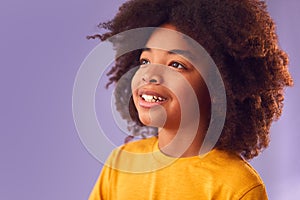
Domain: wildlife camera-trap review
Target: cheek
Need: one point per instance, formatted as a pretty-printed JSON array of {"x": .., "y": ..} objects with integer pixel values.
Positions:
[
  {"x": 202, "y": 93},
  {"x": 199, "y": 87},
  {"x": 134, "y": 82},
  {"x": 183, "y": 91}
]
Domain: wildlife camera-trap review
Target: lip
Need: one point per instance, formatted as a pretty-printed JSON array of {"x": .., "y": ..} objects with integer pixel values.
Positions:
[{"x": 145, "y": 104}]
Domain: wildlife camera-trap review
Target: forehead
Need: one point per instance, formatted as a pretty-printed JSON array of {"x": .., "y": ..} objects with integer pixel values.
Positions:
[{"x": 168, "y": 39}]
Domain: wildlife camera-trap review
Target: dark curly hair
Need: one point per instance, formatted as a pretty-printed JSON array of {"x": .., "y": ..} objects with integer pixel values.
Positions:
[{"x": 240, "y": 37}]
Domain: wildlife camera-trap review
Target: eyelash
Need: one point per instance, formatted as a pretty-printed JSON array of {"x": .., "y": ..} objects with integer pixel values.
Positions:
[
  {"x": 144, "y": 60},
  {"x": 183, "y": 67}
]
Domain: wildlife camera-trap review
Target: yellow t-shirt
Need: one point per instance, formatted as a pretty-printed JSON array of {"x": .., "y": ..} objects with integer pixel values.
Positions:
[{"x": 139, "y": 171}]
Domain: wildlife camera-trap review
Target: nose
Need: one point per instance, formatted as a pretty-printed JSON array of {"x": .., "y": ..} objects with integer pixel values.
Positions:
[
  {"x": 151, "y": 74},
  {"x": 152, "y": 79}
]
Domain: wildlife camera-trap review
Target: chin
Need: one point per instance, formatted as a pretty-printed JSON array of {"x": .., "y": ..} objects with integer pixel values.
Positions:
[
  {"x": 154, "y": 119},
  {"x": 145, "y": 120}
]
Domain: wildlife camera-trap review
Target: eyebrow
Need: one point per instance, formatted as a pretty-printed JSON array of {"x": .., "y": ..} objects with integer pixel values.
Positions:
[{"x": 184, "y": 53}]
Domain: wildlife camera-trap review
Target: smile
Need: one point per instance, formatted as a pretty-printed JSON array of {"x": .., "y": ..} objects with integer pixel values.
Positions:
[
  {"x": 149, "y": 98},
  {"x": 152, "y": 98}
]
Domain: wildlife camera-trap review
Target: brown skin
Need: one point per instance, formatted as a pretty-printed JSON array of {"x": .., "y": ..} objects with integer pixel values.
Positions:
[
  {"x": 170, "y": 66},
  {"x": 240, "y": 37}
]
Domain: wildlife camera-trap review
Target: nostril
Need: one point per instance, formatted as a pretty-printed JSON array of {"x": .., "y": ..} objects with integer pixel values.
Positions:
[
  {"x": 152, "y": 80},
  {"x": 155, "y": 79}
]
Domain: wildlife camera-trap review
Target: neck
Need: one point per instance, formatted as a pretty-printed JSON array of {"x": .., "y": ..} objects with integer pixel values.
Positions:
[{"x": 181, "y": 142}]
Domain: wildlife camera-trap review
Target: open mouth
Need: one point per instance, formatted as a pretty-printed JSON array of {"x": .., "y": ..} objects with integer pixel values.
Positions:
[{"x": 152, "y": 98}]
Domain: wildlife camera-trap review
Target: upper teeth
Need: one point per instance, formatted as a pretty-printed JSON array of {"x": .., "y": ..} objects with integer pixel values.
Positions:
[{"x": 152, "y": 98}]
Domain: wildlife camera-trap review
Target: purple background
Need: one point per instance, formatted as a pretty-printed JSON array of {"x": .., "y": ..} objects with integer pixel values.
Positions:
[{"x": 42, "y": 45}]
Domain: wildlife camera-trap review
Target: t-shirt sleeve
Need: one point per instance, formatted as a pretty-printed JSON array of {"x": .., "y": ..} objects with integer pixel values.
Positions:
[
  {"x": 101, "y": 188},
  {"x": 258, "y": 192},
  {"x": 99, "y": 191}
]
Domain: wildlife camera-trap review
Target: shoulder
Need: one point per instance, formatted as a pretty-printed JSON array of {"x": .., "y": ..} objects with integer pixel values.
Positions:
[
  {"x": 137, "y": 146},
  {"x": 234, "y": 172},
  {"x": 140, "y": 146},
  {"x": 133, "y": 157},
  {"x": 231, "y": 162}
]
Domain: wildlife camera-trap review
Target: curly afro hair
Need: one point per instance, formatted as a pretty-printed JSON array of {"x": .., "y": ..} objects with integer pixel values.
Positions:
[{"x": 240, "y": 37}]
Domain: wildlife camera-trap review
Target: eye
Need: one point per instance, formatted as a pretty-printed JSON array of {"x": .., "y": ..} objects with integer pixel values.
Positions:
[
  {"x": 177, "y": 65},
  {"x": 144, "y": 61}
]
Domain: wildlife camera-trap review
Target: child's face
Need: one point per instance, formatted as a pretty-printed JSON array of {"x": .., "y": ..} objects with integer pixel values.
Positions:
[{"x": 167, "y": 79}]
